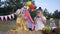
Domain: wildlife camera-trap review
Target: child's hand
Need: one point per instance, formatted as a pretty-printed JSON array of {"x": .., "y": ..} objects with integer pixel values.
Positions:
[
  {"x": 25, "y": 18},
  {"x": 44, "y": 29}
]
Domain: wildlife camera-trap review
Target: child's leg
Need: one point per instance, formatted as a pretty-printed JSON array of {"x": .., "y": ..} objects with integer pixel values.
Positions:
[
  {"x": 17, "y": 25},
  {"x": 24, "y": 26}
]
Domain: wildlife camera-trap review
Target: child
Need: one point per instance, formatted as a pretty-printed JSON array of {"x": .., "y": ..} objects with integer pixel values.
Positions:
[
  {"x": 39, "y": 20},
  {"x": 30, "y": 22},
  {"x": 21, "y": 21},
  {"x": 57, "y": 30},
  {"x": 52, "y": 24}
]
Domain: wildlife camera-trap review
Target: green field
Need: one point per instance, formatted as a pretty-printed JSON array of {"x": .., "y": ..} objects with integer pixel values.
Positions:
[{"x": 7, "y": 25}]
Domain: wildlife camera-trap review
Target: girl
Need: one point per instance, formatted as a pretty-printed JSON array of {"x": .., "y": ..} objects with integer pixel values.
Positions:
[
  {"x": 21, "y": 21},
  {"x": 30, "y": 22},
  {"x": 39, "y": 20}
]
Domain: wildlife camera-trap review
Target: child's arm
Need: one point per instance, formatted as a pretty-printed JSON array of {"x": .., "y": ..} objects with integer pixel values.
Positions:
[
  {"x": 35, "y": 20},
  {"x": 28, "y": 16},
  {"x": 43, "y": 19}
]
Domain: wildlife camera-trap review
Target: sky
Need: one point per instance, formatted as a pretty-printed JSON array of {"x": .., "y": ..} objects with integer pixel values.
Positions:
[
  {"x": 50, "y": 5},
  {"x": 2, "y": 0}
]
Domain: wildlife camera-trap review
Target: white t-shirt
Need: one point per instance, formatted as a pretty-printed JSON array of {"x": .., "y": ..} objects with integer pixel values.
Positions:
[{"x": 39, "y": 25}]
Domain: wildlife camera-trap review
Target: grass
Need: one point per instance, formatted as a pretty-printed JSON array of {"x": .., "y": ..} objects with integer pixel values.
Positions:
[{"x": 7, "y": 25}]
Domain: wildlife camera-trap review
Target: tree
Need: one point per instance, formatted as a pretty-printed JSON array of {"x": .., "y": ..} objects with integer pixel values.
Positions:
[
  {"x": 33, "y": 13},
  {"x": 0, "y": 2},
  {"x": 56, "y": 14},
  {"x": 10, "y": 6},
  {"x": 47, "y": 14}
]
